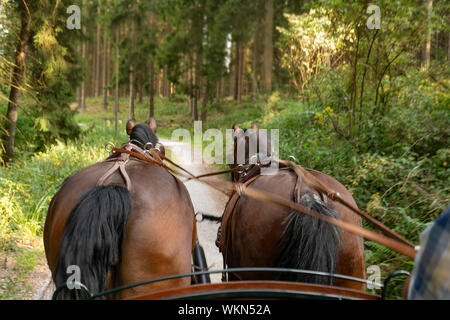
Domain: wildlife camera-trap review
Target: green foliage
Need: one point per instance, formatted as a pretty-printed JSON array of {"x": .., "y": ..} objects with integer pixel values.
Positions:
[
  {"x": 310, "y": 41},
  {"x": 53, "y": 68}
]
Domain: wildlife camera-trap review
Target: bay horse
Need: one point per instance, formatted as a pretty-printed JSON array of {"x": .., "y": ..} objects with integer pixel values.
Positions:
[
  {"x": 137, "y": 224},
  {"x": 256, "y": 233}
]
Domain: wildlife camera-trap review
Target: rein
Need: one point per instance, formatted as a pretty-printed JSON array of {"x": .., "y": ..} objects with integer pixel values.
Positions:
[{"x": 394, "y": 242}]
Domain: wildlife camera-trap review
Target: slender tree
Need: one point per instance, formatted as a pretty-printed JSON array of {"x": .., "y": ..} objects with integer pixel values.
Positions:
[
  {"x": 268, "y": 45},
  {"x": 17, "y": 79}
]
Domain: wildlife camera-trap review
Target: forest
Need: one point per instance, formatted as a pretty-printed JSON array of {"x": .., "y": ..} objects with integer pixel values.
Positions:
[{"x": 358, "y": 90}]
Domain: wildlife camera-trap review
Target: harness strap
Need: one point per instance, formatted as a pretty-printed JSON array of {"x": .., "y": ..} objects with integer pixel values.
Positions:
[
  {"x": 335, "y": 196},
  {"x": 118, "y": 165},
  {"x": 388, "y": 242},
  {"x": 121, "y": 158},
  {"x": 225, "y": 235}
]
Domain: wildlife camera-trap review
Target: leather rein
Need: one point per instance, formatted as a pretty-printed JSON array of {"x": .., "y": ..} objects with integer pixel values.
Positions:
[{"x": 391, "y": 239}]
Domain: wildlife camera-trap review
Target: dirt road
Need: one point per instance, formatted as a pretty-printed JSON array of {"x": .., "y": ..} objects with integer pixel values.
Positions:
[{"x": 205, "y": 199}]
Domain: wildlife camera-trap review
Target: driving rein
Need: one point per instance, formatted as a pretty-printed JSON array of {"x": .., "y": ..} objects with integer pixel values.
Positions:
[{"x": 392, "y": 240}]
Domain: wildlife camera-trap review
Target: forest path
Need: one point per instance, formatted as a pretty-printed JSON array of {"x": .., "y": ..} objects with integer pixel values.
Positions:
[{"x": 205, "y": 199}]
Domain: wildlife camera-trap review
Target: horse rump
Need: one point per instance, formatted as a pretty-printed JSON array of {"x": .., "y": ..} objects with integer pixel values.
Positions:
[
  {"x": 92, "y": 239},
  {"x": 309, "y": 243}
]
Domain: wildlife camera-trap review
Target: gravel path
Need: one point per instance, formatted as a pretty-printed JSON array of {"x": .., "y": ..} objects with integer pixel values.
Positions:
[{"x": 205, "y": 200}]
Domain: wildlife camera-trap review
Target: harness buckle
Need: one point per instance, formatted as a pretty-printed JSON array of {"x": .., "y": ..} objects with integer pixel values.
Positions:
[{"x": 109, "y": 147}]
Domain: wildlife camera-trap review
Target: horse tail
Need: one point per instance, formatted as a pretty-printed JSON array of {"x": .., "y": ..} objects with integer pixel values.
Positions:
[
  {"x": 92, "y": 238},
  {"x": 309, "y": 243}
]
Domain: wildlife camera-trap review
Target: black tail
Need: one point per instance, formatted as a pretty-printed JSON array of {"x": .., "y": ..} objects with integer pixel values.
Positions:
[
  {"x": 309, "y": 243},
  {"x": 92, "y": 238}
]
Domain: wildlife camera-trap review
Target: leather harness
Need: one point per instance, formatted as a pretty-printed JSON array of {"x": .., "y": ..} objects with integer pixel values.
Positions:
[
  {"x": 121, "y": 157},
  {"x": 393, "y": 241},
  {"x": 224, "y": 239}
]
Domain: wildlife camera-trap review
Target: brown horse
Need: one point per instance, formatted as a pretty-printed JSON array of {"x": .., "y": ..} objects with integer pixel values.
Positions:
[
  {"x": 255, "y": 233},
  {"x": 137, "y": 224}
]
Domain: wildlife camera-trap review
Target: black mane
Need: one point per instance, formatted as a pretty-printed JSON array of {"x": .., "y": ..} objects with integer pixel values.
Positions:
[{"x": 142, "y": 134}]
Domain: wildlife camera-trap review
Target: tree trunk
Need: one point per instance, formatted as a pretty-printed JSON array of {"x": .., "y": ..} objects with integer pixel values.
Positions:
[
  {"x": 427, "y": 45},
  {"x": 104, "y": 84},
  {"x": 140, "y": 92},
  {"x": 190, "y": 83},
  {"x": 206, "y": 100},
  {"x": 232, "y": 83},
  {"x": 255, "y": 59},
  {"x": 197, "y": 83},
  {"x": 166, "y": 84},
  {"x": 151, "y": 91},
  {"x": 132, "y": 74},
  {"x": 16, "y": 82},
  {"x": 239, "y": 71},
  {"x": 98, "y": 57},
  {"x": 108, "y": 67},
  {"x": 132, "y": 93},
  {"x": 448, "y": 48},
  {"x": 116, "y": 91},
  {"x": 157, "y": 83},
  {"x": 83, "y": 84},
  {"x": 268, "y": 45},
  {"x": 91, "y": 57}
]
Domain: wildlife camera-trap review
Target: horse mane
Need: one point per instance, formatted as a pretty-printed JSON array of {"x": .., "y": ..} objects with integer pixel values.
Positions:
[{"x": 142, "y": 134}]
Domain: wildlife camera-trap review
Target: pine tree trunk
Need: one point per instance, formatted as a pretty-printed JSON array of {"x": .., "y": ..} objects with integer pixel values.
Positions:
[
  {"x": 222, "y": 87},
  {"x": 237, "y": 68},
  {"x": 206, "y": 99},
  {"x": 239, "y": 71},
  {"x": 232, "y": 77},
  {"x": 448, "y": 48},
  {"x": 166, "y": 84},
  {"x": 98, "y": 57},
  {"x": 132, "y": 93},
  {"x": 197, "y": 83},
  {"x": 132, "y": 74},
  {"x": 268, "y": 45},
  {"x": 255, "y": 59},
  {"x": 140, "y": 91},
  {"x": 116, "y": 91},
  {"x": 151, "y": 91},
  {"x": 104, "y": 84},
  {"x": 91, "y": 53},
  {"x": 427, "y": 45},
  {"x": 190, "y": 83},
  {"x": 16, "y": 83},
  {"x": 158, "y": 83},
  {"x": 83, "y": 85}
]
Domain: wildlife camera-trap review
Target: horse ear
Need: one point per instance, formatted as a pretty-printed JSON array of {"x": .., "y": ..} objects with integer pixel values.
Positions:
[
  {"x": 152, "y": 124},
  {"x": 130, "y": 125}
]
